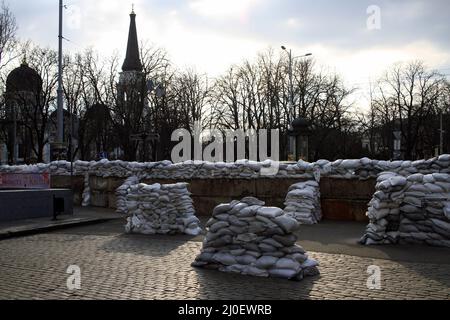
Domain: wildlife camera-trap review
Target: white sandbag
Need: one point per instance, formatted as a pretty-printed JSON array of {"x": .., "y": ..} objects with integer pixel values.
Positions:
[
  {"x": 259, "y": 242},
  {"x": 303, "y": 202},
  {"x": 266, "y": 262},
  {"x": 246, "y": 260},
  {"x": 225, "y": 259},
  {"x": 398, "y": 181},
  {"x": 283, "y": 273},
  {"x": 286, "y": 263},
  {"x": 270, "y": 212},
  {"x": 159, "y": 209},
  {"x": 447, "y": 210},
  {"x": 286, "y": 223},
  {"x": 412, "y": 212}
]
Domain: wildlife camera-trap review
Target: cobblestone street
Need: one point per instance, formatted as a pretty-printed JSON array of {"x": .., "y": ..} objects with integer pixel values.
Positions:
[{"x": 117, "y": 266}]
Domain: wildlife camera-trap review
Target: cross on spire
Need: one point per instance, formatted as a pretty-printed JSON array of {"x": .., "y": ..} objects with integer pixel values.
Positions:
[{"x": 24, "y": 59}]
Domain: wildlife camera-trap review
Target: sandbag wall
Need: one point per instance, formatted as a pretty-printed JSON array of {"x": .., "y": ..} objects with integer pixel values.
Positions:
[
  {"x": 303, "y": 202},
  {"x": 122, "y": 192},
  {"x": 160, "y": 209},
  {"x": 243, "y": 169},
  {"x": 341, "y": 199},
  {"x": 415, "y": 209},
  {"x": 346, "y": 186},
  {"x": 247, "y": 238}
]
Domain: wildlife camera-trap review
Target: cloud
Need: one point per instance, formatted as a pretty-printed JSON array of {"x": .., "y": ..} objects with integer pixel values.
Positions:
[
  {"x": 230, "y": 9},
  {"x": 211, "y": 35},
  {"x": 292, "y": 23},
  {"x": 198, "y": 47}
]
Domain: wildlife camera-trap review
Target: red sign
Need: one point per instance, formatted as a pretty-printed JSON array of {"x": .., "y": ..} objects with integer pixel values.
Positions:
[{"x": 24, "y": 181}]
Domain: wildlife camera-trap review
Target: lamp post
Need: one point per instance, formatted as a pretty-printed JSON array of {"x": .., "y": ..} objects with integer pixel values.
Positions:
[
  {"x": 292, "y": 114},
  {"x": 60, "y": 114},
  {"x": 291, "y": 76},
  {"x": 441, "y": 134},
  {"x": 14, "y": 137}
]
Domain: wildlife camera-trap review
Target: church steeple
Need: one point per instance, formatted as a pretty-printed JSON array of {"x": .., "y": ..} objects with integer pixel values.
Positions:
[{"x": 132, "y": 60}]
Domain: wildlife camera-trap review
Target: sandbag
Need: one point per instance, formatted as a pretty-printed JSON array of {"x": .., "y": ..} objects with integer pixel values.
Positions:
[{"x": 262, "y": 245}]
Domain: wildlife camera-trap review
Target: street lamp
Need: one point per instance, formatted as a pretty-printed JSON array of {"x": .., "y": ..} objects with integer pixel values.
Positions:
[
  {"x": 60, "y": 101},
  {"x": 291, "y": 83},
  {"x": 294, "y": 143}
]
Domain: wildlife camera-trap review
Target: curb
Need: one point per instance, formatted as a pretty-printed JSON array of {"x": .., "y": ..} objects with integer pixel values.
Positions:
[{"x": 38, "y": 230}]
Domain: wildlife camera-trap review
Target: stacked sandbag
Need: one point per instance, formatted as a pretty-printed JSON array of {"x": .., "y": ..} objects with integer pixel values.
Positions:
[
  {"x": 384, "y": 210},
  {"x": 410, "y": 210},
  {"x": 61, "y": 167},
  {"x": 366, "y": 168},
  {"x": 82, "y": 167},
  {"x": 37, "y": 168},
  {"x": 86, "y": 197},
  {"x": 303, "y": 202},
  {"x": 359, "y": 168},
  {"x": 243, "y": 169},
  {"x": 121, "y": 194},
  {"x": 161, "y": 209},
  {"x": 247, "y": 238},
  {"x": 423, "y": 211}
]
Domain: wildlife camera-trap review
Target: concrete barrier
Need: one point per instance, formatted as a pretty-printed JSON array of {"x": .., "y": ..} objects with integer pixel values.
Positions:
[
  {"x": 342, "y": 199},
  {"x": 346, "y": 200},
  {"x": 76, "y": 184},
  {"x": 30, "y": 204}
]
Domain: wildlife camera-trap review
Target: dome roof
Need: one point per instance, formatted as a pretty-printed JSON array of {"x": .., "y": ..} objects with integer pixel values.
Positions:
[
  {"x": 66, "y": 114},
  {"x": 98, "y": 113},
  {"x": 300, "y": 123},
  {"x": 23, "y": 78}
]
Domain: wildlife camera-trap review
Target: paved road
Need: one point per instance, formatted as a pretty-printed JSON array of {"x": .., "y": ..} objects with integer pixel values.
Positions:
[{"x": 117, "y": 266}]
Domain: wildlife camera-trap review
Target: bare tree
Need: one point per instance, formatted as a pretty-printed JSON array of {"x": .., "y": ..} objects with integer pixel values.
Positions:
[
  {"x": 191, "y": 97},
  {"x": 256, "y": 95},
  {"x": 8, "y": 30},
  {"x": 407, "y": 100},
  {"x": 38, "y": 117},
  {"x": 34, "y": 106}
]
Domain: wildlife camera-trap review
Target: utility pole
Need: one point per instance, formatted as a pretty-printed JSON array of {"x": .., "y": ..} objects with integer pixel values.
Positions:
[
  {"x": 60, "y": 112},
  {"x": 291, "y": 86},
  {"x": 293, "y": 112},
  {"x": 14, "y": 137},
  {"x": 441, "y": 148}
]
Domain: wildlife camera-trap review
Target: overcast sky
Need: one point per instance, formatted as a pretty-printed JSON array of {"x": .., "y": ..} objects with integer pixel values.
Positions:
[{"x": 211, "y": 35}]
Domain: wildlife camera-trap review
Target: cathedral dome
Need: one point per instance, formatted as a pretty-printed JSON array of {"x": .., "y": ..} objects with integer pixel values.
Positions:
[
  {"x": 22, "y": 79},
  {"x": 300, "y": 124},
  {"x": 98, "y": 113}
]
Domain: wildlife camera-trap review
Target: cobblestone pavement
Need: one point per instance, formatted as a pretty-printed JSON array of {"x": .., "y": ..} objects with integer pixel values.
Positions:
[{"x": 115, "y": 266}]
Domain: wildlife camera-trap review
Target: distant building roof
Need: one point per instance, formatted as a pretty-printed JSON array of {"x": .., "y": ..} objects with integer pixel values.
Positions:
[
  {"x": 24, "y": 78},
  {"x": 98, "y": 113}
]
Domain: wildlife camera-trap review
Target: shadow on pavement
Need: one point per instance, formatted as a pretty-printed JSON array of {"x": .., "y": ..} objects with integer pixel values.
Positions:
[
  {"x": 140, "y": 244},
  {"x": 333, "y": 237},
  {"x": 218, "y": 285},
  {"x": 339, "y": 237}
]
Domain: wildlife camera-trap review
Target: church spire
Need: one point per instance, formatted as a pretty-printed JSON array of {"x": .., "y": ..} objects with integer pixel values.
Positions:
[{"x": 132, "y": 60}]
